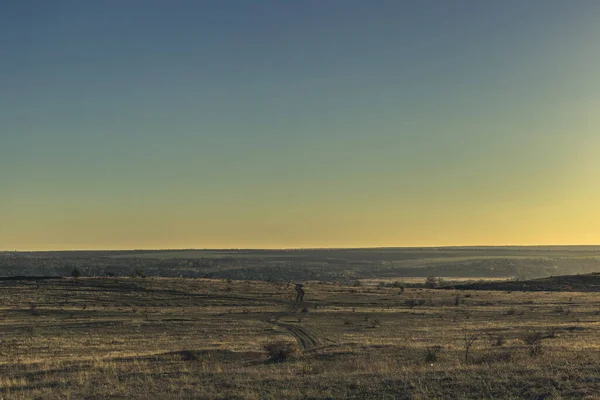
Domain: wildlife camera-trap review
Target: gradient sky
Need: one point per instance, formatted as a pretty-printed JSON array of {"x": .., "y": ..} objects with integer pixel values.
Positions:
[{"x": 339, "y": 123}]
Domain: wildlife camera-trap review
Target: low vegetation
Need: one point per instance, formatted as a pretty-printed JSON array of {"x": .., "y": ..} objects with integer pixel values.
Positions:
[{"x": 124, "y": 337}]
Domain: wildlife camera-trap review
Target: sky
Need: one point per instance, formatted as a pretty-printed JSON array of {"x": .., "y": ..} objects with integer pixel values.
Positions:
[{"x": 287, "y": 124}]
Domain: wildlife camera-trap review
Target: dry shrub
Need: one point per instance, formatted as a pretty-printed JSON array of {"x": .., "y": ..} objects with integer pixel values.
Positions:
[
  {"x": 498, "y": 340},
  {"x": 493, "y": 357},
  {"x": 534, "y": 341},
  {"x": 375, "y": 324},
  {"x": 414, "y": 302},
  {"x": 562, "y": 310},
  {"x": 431, "y": 353},
  {"x": 533, "y": 338},
  {"x": 280, "y": 351},
  {"x": 189, "y": 355},
  {"x": 432, "y": 282}
]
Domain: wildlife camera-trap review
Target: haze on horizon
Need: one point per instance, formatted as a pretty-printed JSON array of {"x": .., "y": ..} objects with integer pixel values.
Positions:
[{"x": 274, "y": 124}]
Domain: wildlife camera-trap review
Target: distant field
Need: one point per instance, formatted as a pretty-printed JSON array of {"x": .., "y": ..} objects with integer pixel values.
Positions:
[
  {"x": 416, "y": 280},
  {"x": 195, "y": 254},
  {"x": 327, "y": 265},
  {"x": 442, "y": 253},
  {"x": 99, "y": 338}
]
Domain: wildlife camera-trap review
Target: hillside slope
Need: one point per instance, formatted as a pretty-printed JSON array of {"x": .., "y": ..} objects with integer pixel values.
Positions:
[{"x": 563, "y": 283}]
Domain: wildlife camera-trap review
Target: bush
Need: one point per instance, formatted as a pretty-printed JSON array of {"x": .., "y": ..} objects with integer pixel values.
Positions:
[
  {"x": 498, "y": 340},
  {"x": 281, "y": 350},
  {"x": 533, "y": 338},
  {"x": 431, "y": 353},
  {"x": 399, "y": 285},
  {"x": 562, "y": 310},
  {"x": 431, "y": 282},
  {"x": 414, "y": 302},
  {"x": 375, "y": 324},
  {"x": 534, "y": 341}
]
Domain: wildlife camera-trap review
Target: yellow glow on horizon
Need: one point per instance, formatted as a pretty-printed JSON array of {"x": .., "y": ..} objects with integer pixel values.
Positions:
[{"x": 572, "y": 220}]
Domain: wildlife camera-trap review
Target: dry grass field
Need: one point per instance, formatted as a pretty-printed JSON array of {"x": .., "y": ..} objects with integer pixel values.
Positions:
[{"x": 159, "y": 338}]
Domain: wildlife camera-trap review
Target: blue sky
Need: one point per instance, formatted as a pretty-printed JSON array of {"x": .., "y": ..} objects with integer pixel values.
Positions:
[{"x": 298, "y": 124}]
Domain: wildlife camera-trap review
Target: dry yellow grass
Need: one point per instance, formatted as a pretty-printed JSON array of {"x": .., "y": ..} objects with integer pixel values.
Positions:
[{"x": 176, "y": 338}]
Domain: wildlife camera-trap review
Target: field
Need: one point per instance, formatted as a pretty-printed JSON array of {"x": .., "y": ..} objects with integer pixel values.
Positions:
[
  {"x": 326, "y": 265},
  {"x": 98, "y": 338}
]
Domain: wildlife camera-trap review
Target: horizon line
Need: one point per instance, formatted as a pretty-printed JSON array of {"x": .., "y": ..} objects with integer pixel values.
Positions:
[{"x": 299, "y": 248}]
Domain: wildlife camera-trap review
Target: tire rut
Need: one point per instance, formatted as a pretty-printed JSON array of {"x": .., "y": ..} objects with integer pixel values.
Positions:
[{"x": 304, "y": 338}]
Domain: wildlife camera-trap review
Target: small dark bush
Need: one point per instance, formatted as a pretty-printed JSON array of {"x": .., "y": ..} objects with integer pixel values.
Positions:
[
  {"x": 414, "y": 302},
  {"x": 568, "y": 329},
  {"x": 375, "y": 324},
  {"x": 399, "y": 285},
  {"x": 534, "y": 341},
  {"x": 533, "y": 338},
  {"x": 33, "y": 310},
  {"x": 189, "y": 355},
  {"x": 431, "y": 353},
  {"x": 498, "y": 341},
  {"x": 431, "y": 282},
  {"x": 280, "y": 350},
  {"x": 562, "y": 310},
  {"x": 457, "y": 300}
]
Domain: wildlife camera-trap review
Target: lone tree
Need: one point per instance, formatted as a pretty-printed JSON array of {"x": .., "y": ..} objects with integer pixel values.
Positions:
[
  {"x": 432, "y": 282},
  {"x": 75, "y": 273}
]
